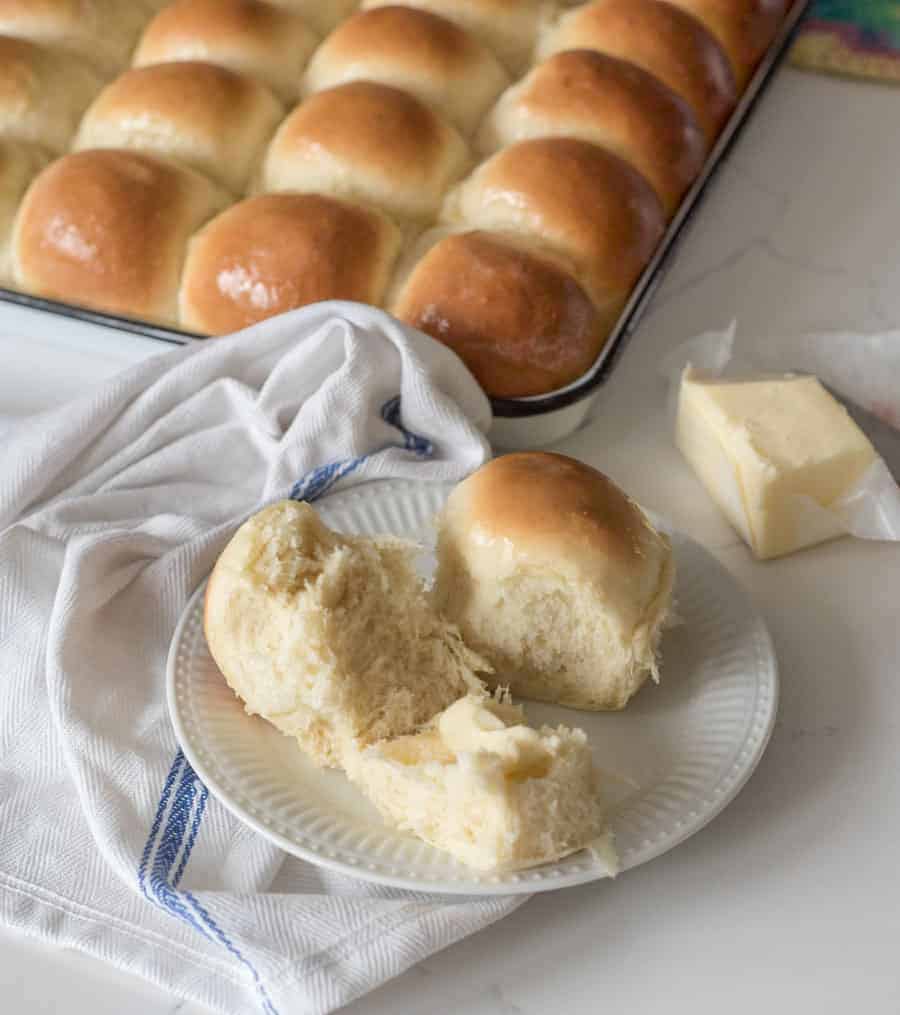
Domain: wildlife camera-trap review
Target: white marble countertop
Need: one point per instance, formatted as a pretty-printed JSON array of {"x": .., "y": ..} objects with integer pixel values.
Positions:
[{"x": 790, "y": 900}]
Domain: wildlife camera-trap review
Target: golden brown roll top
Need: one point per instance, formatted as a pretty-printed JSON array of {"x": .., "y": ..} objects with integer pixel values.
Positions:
[
  {"x": 367, "y": 142},
  {"x": 518, "y": 320},
  {"x": 743, "y": 28},
  {"x": 108, "y": 229},
  {"x": 557, "y": 577},
  {"x": 19, "y": 162},
  {"x": 612, "y": 103},
  {"x": 268, "y": 43},
  {"x": 425, "y": 55},
  {"x": 664, "y": 40},
  {"x": 206, "y": 117},
  {"x": 562, "y": 515},
  {"x": 572, "y": 197},
  {"x": 541, "y": 243},
  {"x": 508, "y": 27},
  {"x": 276, "y": 252},
  {"x": 43, "y": 93}
]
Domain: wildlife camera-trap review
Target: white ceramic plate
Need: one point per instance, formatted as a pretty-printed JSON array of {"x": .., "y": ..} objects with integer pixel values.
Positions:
[{"x": 676, "y": 756}]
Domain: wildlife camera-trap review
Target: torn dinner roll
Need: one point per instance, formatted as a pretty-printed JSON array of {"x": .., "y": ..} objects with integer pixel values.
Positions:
[
  {"x": 486, "y": 788},
  {"x": 332, "y": 638}
]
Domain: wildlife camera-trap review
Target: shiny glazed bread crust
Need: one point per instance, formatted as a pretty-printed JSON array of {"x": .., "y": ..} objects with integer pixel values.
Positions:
[{"x": 584, "y": 156}]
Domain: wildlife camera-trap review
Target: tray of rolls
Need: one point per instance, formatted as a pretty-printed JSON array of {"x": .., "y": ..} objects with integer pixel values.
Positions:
[{"x": 505, "y": 175}]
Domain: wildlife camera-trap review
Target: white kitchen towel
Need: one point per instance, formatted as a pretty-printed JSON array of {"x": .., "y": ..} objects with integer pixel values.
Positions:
[{"x": 112, "y": 510}]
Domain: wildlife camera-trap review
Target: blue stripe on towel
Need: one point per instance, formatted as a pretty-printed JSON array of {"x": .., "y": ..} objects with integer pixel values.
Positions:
[
  {"x": 184, "y": 815},
  {"x": 390, "y": 413},
  {"x": 235, "y": 951},
  {"x": 181, "y": 814},
  {"x": 320, "y": 480},
  {"x": 157, "y": 820}
]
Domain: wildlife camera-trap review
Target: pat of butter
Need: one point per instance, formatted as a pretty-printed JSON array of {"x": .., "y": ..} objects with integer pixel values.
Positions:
[
  {"x": 479, "y": 726},
  {"x": 772, "y": 452}
]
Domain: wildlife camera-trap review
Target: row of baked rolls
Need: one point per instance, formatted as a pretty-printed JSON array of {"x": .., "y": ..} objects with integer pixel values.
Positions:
[
  {"x": 208, "y": 118},
  {"x": 546, "y": 239},
  {"x": 274, "y": 43},
  {"x": 429, "y": 55},
  {"x": 548, "y": 236},
  {"x": 268, "y": 43},
  {"x": 109, "y": 229},
  {"x": 364, "y": 142},
  {"x": 54, "y": 58},
  {"x": 526, "y": 314},
  {"x": 102, "y": 33},
  {"x": 55, "y": 55},
  {"x": 422, "y": 53},
  {"x": 121, "y": 230}
]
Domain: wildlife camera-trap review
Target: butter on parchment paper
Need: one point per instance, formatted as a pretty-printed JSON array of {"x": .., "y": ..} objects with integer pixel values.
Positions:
[{"x": 771, "y": 452}]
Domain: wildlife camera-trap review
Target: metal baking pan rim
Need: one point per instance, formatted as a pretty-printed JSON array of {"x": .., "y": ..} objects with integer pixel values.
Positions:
[
  {"x": 637, "y": 301},
  {"x": 675, "y": 232}
]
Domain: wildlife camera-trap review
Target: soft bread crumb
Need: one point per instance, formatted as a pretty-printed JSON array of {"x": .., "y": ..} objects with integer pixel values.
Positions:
[
  {"x": 330, "y": 637},
  {"x": 481, "y": 785},
  {"x": 557, "y": 578}
]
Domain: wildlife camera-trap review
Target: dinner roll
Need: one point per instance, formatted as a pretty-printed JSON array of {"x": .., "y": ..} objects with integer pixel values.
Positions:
[
  {"x": 320, "y": 15},
  {"x": 517, "y": 319},
  {"x": 18, "y": 164},
  {"x": 276, "y": 252},
  {"x": 578, "y": 199},
  {"x": 664, "y": 40},
  {"x": 508, "y": 27},
  {"x": 108, "y": 229},
  {"x": 480, "y": 784},
  {"x": 248, "y": 36},
  {"x": 557, "y": 577},
  {"x": 744, "y": 28},
  {"x": 610, "y": 102},
  {"x": 103, "y": 32},
  {"x": 367, "y": 142},
  {"x": 209, "y": 118},
  {"x": 43, "y": 93},
  {"x": 423, "y": 54},
  {"x": 331, "y": 638}
]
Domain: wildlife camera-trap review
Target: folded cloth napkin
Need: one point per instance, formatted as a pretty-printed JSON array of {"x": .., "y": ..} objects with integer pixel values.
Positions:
[{"x": 112, "y": 510}]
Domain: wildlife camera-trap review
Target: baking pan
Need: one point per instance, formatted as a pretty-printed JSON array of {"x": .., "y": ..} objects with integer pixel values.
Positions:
[{"x": 540, "y": 419}]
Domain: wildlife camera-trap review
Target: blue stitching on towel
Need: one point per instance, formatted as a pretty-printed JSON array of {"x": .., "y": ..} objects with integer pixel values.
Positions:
[
  {"x": 320, "y": 480},
  {"x": 223, "y": 937},
  {"x": 317, "y": 482},
  {"x": 157, "y": 820},
  {"x": 195, "y": 825},
  {"x": 165, "y": 893},
  {"x": 169, "y": 844},
  {"x": 186, "y": 800},
  {"x": 390, "y": 413}
]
